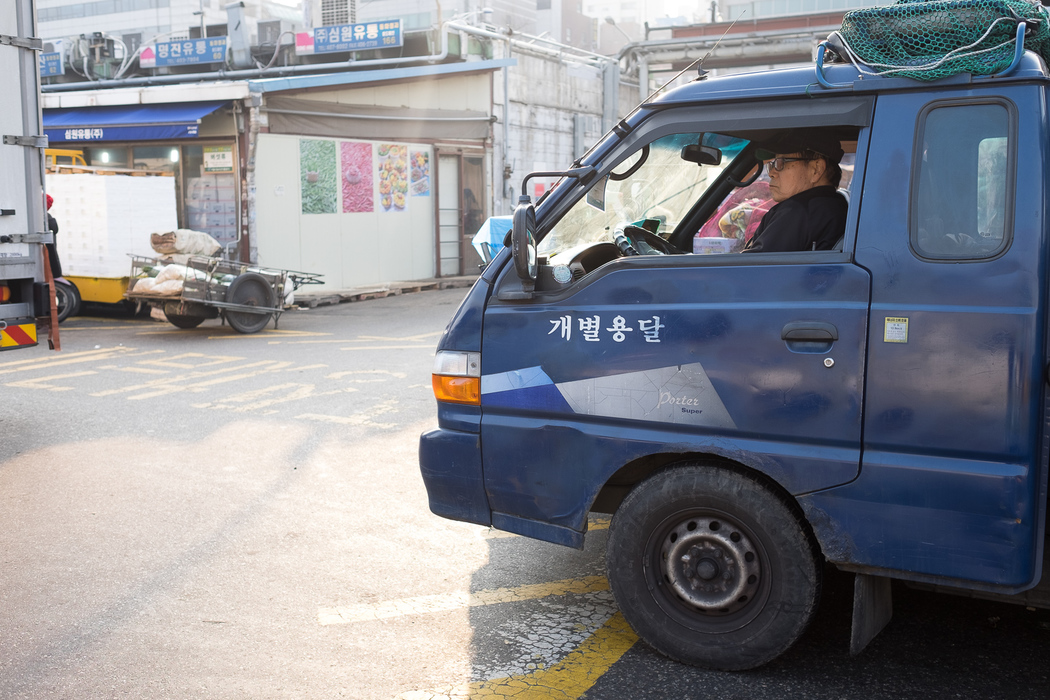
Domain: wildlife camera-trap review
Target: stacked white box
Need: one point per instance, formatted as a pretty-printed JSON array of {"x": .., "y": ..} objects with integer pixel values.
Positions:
[
  {"x": 211, "y": 205},
  {"x": 103, "y": 219}
]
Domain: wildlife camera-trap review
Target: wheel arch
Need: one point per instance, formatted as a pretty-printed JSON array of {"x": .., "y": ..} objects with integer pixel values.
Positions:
[{"x": 624, "y": 479}]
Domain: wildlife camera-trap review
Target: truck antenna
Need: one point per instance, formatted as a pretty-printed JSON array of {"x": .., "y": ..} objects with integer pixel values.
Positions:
[{"x": 699, "y": 63}]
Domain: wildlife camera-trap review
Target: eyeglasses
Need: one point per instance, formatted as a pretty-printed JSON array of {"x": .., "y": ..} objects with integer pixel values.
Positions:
[{"x": 779, "y": 163}]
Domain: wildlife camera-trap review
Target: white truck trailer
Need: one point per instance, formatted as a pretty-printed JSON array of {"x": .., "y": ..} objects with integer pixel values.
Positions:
[{"x": 26, "y": 288}]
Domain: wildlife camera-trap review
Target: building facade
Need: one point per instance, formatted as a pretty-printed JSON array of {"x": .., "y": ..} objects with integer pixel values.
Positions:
[{"x": 381, "y": 172}]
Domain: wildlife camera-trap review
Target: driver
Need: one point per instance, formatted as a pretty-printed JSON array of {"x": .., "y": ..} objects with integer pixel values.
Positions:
[{"x": 809, "y": 213}]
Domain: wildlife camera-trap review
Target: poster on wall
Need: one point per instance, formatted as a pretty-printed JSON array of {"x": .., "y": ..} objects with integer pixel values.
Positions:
[
  {"x": 317, "y": 175},
  {"x": 420, "y": 173},
  {"x": 393, "y": 176},
  {"x": 356, "y": 168}
]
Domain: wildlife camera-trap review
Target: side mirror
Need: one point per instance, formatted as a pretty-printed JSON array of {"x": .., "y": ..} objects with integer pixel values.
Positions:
[
  {"x": 523, "y": 242},
  {"x": 702, "y": 155}
]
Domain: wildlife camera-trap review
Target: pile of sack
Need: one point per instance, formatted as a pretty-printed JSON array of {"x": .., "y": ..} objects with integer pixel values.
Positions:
[
  {"x": 184, "y": 242},
  {"x": 168, "y": 277},
  {"x": 167, "y": 280}
]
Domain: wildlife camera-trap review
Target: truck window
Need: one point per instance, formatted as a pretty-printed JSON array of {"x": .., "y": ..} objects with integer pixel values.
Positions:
[
  {"x": 657, "y": 185},
  {"x": 964, "y": 176}
]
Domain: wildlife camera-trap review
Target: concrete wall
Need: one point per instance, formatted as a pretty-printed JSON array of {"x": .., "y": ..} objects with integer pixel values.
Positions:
[
  {"x": 555, "y": 114},
  {"x": 350, "y": 248}
]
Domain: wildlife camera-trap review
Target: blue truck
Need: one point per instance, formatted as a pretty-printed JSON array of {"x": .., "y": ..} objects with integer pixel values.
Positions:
[{"x": 748, "y": 419}]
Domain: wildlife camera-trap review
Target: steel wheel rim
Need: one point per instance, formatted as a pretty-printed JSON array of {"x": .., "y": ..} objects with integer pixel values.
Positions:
[{"x": 708, "y": 570}]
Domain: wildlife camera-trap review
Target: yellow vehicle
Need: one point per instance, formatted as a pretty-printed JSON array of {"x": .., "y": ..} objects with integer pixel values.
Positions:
[{"x": 63, "y": 156}]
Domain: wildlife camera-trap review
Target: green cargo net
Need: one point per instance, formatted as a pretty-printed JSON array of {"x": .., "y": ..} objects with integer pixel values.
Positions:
[{"x": 931, "y": 40}]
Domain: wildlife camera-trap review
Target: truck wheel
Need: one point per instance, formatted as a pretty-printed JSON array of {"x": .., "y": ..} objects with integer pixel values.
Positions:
[
  {"x": 67, "y": 299},
  {"x": 249, "y": 289},
  {"x": 712, "y": 568}
]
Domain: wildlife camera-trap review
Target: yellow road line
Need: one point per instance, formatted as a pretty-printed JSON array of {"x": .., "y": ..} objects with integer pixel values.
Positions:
[
  {"x": 114, "y": 327},
  {"x": 458, "y": 600},
  {"x": 140, "y": 370},
  {"x": 257, "y": 399},
  {"x": 369, "y": 339},
  {"x": 211, "y": 360},
  {"x": 567, "y": 680},
  {"x": 348, "y": 373},
  {"x": 41, "y": 382},
  {"x": 420, "y": 336},
  {"x": 572, "y": 676},
  {"x": 393, "y": 347},
  {"x": 233, "y": 335},
  {"x": 166, "y": 384},
  {"x": 356, "y": 419},
  {"x": 65, "y": 359}
]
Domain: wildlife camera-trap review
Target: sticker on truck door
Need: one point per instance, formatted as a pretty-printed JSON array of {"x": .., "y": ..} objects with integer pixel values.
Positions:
[{"x": 896, "y": 330}]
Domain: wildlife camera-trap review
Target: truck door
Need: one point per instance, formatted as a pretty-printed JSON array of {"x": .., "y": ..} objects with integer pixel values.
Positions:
[
  {"x": 757, "y": 358},
  {"x": 951, "y": 231}
]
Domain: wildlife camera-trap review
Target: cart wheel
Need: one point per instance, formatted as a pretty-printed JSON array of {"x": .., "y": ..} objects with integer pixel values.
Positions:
[
  {"x": 67, "y": 298},
  {"x": 249, "y": 289},
  {"x": 181, "y": 321}
]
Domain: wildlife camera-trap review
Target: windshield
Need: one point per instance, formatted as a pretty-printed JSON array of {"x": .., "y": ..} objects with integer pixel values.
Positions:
[{"x": 653, "y": 183}]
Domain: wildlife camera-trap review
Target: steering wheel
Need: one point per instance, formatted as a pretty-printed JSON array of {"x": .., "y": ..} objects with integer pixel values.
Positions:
[{"x": 637, "y": 234}]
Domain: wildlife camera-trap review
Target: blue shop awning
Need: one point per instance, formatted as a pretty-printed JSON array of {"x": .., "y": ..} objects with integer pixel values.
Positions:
[{"x": 126, "y": 122}]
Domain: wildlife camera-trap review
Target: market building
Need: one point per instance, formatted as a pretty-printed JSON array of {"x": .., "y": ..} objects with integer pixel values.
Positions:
[{"x": 370, "y": 170}]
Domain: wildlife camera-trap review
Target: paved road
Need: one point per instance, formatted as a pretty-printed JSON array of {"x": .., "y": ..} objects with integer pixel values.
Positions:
[{"x": 204, "y": 514}]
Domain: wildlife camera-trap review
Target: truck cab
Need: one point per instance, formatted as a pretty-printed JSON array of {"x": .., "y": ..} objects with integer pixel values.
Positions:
[{"x": 747, "y": 417}]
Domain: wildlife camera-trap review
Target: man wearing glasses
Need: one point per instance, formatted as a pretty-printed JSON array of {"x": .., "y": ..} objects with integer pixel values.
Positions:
[{"x": 810, "y": 214}]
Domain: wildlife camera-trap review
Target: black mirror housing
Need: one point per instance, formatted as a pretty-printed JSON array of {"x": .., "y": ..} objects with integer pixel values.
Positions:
[
  {"x": 702, "y": 155},
  {"x": 523, "y": 242}
]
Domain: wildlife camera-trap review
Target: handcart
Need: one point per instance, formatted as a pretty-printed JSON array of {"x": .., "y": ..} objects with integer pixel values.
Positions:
[{"x": 244, "y": 295}]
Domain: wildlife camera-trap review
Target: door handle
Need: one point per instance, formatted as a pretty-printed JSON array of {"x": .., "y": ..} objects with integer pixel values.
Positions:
[{"x": 809, "y": 331}]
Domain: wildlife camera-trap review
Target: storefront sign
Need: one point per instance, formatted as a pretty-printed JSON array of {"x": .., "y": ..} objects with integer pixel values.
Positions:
[
  {"x": 184, "y": 53},
  {"x": 218, "y": 159},
  {"x": 350, "y": 37},
  {"x": 133, "y": 122},
  {"x": 96, "y": 134},
  {"x": 51, "y": 65}
]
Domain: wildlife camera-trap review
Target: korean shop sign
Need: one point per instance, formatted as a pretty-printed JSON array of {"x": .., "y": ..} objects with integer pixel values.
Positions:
[
  {"x": 350, "y": 37},
  {"x": 184, "y": 53}
]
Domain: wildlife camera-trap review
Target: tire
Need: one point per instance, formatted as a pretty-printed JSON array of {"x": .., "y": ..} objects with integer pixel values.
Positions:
[
  {"x": 712, "y": 568},
  {"x": 67, "y": 298},
  {"x": 181, "y": 321},
  {"x": 249, "y": 289}
]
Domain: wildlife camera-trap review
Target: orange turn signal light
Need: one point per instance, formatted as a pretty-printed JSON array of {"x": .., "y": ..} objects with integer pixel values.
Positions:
[
  {"x": 457, "y": 389},
  {"x": 5, "y": 293}
]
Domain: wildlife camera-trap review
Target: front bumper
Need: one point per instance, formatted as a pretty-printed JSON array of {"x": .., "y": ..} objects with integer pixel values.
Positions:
[{"x": 450, "y": 463}]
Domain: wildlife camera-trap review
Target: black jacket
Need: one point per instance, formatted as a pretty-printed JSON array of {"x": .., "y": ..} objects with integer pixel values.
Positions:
[
  {"x": 52, "y": 251},
  {"x": 811, "y": 220}
]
